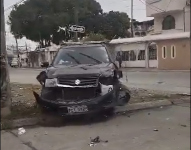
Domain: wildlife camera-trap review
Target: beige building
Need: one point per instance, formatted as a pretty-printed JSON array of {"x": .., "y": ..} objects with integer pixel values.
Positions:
[
  {"x": 170, "y": 16},
  {"x": 164, "y": 51},
  {"x": 174, "y": 54}
]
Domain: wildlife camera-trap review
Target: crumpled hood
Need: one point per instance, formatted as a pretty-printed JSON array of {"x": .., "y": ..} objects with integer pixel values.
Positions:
[{"x": 57, "y": 71}]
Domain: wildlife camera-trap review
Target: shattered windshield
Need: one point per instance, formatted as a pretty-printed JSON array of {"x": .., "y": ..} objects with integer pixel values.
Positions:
[{"x": 81, "y": 55}]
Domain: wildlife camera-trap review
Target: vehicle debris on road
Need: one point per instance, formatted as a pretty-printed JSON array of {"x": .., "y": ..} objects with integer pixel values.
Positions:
[
  {"x": 96, "y": 140},
  {"x": 21, "y": 131}
]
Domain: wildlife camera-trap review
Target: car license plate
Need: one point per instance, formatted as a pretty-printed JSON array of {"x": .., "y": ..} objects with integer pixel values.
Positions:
[{"x": 77, "y": 109}]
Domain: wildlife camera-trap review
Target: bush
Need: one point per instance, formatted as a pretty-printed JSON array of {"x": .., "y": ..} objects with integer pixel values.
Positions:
[{"x": 95, "y": 37}]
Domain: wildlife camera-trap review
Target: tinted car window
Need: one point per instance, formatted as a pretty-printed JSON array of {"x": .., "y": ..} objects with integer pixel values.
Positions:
[{"x": 81, "y": 55}]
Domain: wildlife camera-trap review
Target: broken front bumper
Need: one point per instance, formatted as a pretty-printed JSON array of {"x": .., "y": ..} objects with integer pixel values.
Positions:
[{"x": 94, "y": 105}]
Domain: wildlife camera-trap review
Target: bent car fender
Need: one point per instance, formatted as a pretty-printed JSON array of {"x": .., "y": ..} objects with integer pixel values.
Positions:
[
  {"x": 41, "y": 77},
  {"x": 124, "y": 95},
  {"x": 37, "y": 97},
  {"x": 123, "y": 87}
]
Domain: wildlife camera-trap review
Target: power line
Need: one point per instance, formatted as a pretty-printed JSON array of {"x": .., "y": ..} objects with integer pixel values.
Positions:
[
  {"x": 151, "y": 6},
  {"x": 148, "y": 6},
  {"x": 168, "y": 5}
]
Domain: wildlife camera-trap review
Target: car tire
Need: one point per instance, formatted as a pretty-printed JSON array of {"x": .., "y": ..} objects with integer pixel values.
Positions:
[{"x": 125, "y": 99}]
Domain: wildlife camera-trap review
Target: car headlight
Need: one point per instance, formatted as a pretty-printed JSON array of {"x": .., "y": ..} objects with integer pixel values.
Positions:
[
  {"x": 51, "y": 82},
  {"x": 109, "y": 73},
  {"x": 107, "y": 78}
]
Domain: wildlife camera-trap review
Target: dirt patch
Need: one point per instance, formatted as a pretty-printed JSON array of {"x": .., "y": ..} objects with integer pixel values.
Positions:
[
  {"x": 142, "y": 95},
  {"x": 23, "y": 101}
]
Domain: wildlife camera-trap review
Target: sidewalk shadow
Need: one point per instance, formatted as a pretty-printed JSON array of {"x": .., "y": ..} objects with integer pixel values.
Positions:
[{"x": 53, "y": 120}]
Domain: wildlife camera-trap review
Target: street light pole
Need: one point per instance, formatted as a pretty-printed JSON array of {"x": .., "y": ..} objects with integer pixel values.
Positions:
[
  {"x": 17, "y": 48},
  {"x": 76, "y": 11},
  {"x": 132, "y": 34},
  {"x": 5, "y": 80}
]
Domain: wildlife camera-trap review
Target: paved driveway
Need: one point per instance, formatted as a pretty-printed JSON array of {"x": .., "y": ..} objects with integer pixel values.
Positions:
[
  {"x": 178, "y": 82},
  {"x": 134, "y": 131}
]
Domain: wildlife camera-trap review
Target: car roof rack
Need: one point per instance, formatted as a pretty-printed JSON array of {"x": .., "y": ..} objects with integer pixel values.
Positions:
[{"x": 84, "y": 43}]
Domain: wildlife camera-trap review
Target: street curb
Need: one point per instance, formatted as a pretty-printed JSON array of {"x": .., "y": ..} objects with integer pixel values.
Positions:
[
  {"x": 142, "y": 106},
  {"x": 126, "y": 69},
  {"x": 131, "y": 107},
  {"x": 34, "y": 69}
]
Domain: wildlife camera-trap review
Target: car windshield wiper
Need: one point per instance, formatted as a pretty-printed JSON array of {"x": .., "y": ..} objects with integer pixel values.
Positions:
[
  {"x": 73, "y": 58},
  {"x": 98, "y": 61}
]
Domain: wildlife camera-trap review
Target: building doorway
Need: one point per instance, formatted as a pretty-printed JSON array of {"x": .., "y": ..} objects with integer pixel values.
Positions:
[{"x": 152, "y": 52}]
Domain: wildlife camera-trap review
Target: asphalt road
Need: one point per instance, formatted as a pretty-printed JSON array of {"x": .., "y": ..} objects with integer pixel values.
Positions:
[
  {"x": 157, "y": 129},
  {"x": 176, "y": 82}
]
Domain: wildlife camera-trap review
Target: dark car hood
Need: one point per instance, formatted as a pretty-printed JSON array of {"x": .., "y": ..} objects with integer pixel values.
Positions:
[{"x": 78, "y": 70}]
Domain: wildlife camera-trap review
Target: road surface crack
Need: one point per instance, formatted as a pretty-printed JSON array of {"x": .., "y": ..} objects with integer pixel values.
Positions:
[{"x": 28, "y": 144}]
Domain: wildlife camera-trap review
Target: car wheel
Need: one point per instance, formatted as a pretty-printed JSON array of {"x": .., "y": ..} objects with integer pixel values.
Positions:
[{"x": 124, "y": 98}]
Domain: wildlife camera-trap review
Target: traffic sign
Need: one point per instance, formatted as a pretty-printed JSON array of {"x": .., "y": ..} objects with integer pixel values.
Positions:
[{"x": 75, "y": 28}]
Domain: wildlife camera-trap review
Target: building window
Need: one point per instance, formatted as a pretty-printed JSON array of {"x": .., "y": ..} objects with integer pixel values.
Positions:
[
  {"x": 125, "y": 56},
  {"x": 152, "y": 51},
  {"x": 141, "y": 55},
  {"x": 132, "y": 55},
  {"x": 137, "y": 33},
  {"x": 152, "y": 54},
  {"x": 164, "y": 52},
  {"x": 168, "y": 23},
  {"x": 143, "y": 34},
  {"x": 173, "y": 51}
]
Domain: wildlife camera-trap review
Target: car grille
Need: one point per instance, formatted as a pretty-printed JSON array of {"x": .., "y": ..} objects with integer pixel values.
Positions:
[
  {"x": 84, "y": 80},
  {"x": 79, "y": 93}
]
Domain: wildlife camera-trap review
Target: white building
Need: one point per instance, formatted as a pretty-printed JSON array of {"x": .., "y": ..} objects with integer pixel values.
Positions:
[
  {"x": 170, "y": 16},
  {"x": 142, "y": 28}
]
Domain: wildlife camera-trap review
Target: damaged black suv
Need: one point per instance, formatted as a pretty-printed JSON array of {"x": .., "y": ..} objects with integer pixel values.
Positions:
[{"x": 81, "y": 79}]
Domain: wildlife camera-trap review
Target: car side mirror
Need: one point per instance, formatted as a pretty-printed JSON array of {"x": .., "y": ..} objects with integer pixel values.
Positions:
[
  {"x": 41, "y": 77},
  {"x": 118, "y": 74},
  {"x": 45, "y": 64}
]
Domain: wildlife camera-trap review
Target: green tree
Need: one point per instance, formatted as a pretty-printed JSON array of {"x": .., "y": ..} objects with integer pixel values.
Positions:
[
  {"x": 39, "y": 20},
  {"x": 111, "y": 25},
  {"x": 115, "y": 25},
  {"x": 95, "y": 37}
]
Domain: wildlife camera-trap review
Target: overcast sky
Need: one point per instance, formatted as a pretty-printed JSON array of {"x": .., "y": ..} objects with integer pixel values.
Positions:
[{"x": 107, "y": 5}]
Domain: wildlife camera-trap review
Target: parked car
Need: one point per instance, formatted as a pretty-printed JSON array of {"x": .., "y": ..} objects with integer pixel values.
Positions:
[
  {"x": 81, "y": 79},
  {"x": 15, "y": 62}
]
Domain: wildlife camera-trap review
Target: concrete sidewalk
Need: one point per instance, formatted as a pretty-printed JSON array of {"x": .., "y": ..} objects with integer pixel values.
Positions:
[
  {"x": 175, "y": 82},
  {"x": 166, "y": 128},
  {"x": 11, "y": 142},
  {"x": 150, "y": 70}
]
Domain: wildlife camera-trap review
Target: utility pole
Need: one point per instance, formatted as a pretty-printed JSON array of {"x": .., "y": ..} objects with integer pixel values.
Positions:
[
  {"x": 5, "y": 80},
  {"x": 76, "y": 11},
  {"x": 17, "y": 48},
  {"x": 132, "y": 33},
  {"x": 27, "y": 55}
]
